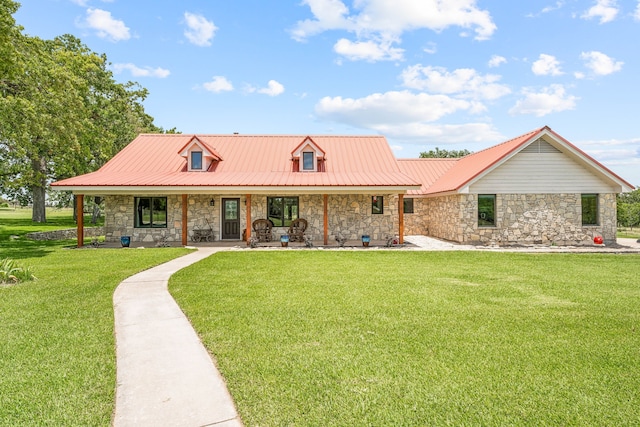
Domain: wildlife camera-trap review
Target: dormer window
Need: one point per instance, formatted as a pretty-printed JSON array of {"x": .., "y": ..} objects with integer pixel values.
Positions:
[
  {"x": 196, "y": 160},
  {"x": 308, "y": 157},
  {"x": 308, "y": 161},
  {"x": 200, "y": 156}
]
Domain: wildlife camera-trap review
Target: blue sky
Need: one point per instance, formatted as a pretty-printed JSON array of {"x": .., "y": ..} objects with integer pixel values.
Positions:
[{"x": 424, "y": 73}]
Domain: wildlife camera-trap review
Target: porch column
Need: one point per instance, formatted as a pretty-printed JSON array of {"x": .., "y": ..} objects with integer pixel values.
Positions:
[
  {"x": 325, "y": 209},
  {"x": 80, "y": 219},
  {"x": 185, "y": 232},
  {"x": 248, "y": 202},
  {"x": 401, "y": 218}
]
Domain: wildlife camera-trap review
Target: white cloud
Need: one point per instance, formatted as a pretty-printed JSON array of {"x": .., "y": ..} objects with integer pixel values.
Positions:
[
  {"x": 218, "y": 84},
  {"x": 496, "y": 61},
  {"x": 606, "y": 10},
  {"x": 546, "y": 65},
  {"x": 106, "y": 26},
  {"x": 199, "y": 30},
  {"x": 431, "y": 48},
  {"x": 636, "y": 14},
  {"x": 407, "y": 116},
  {"x": 462, "y": 82},
  {"x": 381, "y": 20},
  {"x": 395, "y": 107},
  {"x": 547, "y": 9},
  {"x": 141, "y": 72},
  {"x": 600, "y": 64},
  {"x": 273, "y": 88},
  {"x": 368, "y": 50},
  {"x": 551, "y": 99}
]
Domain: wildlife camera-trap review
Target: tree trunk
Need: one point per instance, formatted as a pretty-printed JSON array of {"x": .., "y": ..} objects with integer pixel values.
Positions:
[
  {"x": 96, "y": 210},
  {"x": 38, "y": 214},
  {"x": 38, "y": 191}
]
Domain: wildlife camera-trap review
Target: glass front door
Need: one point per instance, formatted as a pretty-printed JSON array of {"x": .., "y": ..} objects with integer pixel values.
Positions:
[{"x": 230, "y": 219}]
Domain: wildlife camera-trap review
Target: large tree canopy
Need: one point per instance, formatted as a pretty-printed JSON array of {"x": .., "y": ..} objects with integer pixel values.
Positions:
[{"x": 61, "y": 114}]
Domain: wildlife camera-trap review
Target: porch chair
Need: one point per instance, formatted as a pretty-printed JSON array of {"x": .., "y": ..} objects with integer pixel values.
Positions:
[
  {"x": 296, "y": 230},
  {"x": 262, "y": 229}
]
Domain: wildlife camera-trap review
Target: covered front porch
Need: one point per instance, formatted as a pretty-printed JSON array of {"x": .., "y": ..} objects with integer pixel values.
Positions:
[{"x": 178, "y": 218}]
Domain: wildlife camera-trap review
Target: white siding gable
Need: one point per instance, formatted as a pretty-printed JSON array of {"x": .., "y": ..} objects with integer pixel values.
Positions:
[{"x": 544, "y": 169}]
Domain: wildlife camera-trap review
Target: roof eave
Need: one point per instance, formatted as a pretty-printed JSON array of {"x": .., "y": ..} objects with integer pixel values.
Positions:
[{"x": 203, "y": 189}]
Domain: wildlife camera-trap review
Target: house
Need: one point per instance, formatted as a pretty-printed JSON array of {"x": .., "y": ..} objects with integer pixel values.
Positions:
[{"x": 536, "y": 188}]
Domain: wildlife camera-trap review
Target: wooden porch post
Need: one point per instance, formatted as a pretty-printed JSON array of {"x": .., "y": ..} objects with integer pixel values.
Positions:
[
  {"x": 80, "y": 219},
  {"x": 248, "y": 202},
  {"x": 325, "y": 200},
  {"x": 185, "y": 232},
  {"x": 401, "y": 218}
]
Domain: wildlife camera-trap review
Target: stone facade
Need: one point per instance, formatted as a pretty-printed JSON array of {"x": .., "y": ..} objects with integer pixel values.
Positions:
[
  {"x": 349, "y": 215},
  {"x": 520, "y": 218}
]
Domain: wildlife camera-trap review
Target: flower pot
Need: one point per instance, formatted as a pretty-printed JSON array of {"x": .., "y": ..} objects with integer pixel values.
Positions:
[
  {"x": 284, "y": 240},
  {"x": 365, "y": 240},
  {"x": 125, "y": 241}
]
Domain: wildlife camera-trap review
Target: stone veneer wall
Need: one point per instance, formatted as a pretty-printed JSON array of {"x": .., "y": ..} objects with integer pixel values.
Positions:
[
  {"x": 522, "y": 219},
  {"x": 119, "y": 218},
  {"x": 349, "y": 215}
]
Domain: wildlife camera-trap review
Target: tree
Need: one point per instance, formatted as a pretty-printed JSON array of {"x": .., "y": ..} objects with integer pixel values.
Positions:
[
  {"x": 61, "y": 114},
  {"x": 628, "y": 208},
  {"x": 439, "y": 153}
]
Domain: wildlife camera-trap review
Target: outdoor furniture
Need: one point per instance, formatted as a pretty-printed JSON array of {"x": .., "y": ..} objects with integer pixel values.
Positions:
[
  {"x": 262, "y": 229},
  {"x": 203, "y": 234},
  {"x": 296, "y": 230}
]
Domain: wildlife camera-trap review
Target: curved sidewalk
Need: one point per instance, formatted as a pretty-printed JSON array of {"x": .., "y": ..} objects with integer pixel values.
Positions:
[{"x": 165, "y": 376}]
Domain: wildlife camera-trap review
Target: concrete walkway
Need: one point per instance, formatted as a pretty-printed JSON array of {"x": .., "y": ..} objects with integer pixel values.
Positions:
[{"x": 165, "y": 376}]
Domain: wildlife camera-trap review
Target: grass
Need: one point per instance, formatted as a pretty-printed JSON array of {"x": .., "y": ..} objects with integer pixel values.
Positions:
[
  {"x": 17, "y": 223},
  {"x": 421, "y": 338},
  {"x": 57, "y": 348},
  {"x": 631, "y": 233}
]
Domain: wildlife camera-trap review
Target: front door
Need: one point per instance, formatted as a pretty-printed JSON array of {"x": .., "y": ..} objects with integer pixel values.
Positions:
[{"x": 230, "y": 219}]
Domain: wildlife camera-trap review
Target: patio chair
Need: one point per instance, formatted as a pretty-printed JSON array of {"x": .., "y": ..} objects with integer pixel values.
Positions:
[
  {"x": 262, "y": 229},
  {"x": 296, "y": 230}
]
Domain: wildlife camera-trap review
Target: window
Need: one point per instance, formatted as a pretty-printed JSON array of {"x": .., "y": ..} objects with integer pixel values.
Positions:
[
  {"x": 408, "y": 205},
  {"x": 377, "y": 205},
  {"x": 196, "y": 160},
  {"x": 307, "y": 161},
  {"x": 486, "y": 210},
  {"x": 151, "y": 212},
  {"x": 282, "y": 210},
  {"x": 589, "y": 209}
]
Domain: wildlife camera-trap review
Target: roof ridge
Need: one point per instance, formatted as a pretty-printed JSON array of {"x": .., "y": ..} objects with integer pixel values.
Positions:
[{"x": 533, "y": 132}]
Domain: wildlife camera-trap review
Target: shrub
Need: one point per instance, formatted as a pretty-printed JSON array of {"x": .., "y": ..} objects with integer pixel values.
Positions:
[{"x": 11, "y": 272}]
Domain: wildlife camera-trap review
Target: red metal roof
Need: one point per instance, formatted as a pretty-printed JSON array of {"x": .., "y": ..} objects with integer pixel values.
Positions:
[
  {"x": 249, "y": 160},
  {"x": 472, "y": 165},
  {"x": 426, "y": 171},
  {"x": 451, "y": 175},
  {"x": 153, "y": 160}
]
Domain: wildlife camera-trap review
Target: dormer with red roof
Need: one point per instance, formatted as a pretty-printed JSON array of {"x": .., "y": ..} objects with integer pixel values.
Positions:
[
  {"x": 199, "y": 155},
  {"x": 308, "y": 157}
]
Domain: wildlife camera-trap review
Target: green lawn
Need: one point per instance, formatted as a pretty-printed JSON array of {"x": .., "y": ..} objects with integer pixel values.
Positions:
[
  {"x": 347, "y": 338},
  {"x": 57, "y": 349},
  {"x": 17, "y": 223}
]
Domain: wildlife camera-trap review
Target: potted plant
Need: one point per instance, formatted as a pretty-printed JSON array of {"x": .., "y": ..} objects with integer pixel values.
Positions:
[
  {"x": 125, "y": 241},
  {"x": 284, "y": 240},
  {"x": 365, "y": 240}
]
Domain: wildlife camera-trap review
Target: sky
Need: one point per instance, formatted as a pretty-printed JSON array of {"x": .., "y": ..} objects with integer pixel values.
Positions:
[{"x": 453, "y": 74}]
